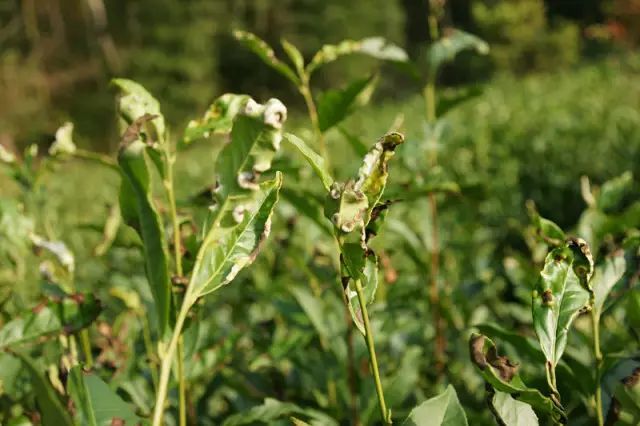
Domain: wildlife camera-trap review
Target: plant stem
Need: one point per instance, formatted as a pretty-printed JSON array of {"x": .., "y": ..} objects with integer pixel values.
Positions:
[
  {"x": 372, "y": 352},
  {"x": 177, "y": 248},
  {"x": 181, "y": 384},
  {"x": 96, "y": 157},
  {"x": 86, "y": 347},
  {"x": 305, "y": 91},
  {"x": 167, "y": 360},
  {"x": 429, "y": 94},
  {"x": 595, "y": 323}
]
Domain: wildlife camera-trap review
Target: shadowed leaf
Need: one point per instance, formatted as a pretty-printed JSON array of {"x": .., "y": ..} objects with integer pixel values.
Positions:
[
  {"x": 63, "y": 316},
  {"x": 336, "y": 105},
  {"x": 266, "y": 53},
  {"x": 441, "y": 410}
]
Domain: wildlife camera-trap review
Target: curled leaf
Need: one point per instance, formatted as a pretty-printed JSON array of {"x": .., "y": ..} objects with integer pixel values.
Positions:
[
  {"x": 218, "y": 119},
  {"x": 501, "y": 374}
]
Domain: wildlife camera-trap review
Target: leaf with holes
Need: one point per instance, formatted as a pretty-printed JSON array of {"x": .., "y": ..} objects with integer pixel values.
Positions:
[
  {"x": 561, "y": 292},
  {"x": 218, "y": 119}
]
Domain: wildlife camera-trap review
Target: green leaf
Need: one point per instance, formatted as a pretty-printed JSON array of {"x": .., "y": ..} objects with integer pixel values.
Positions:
[
  {"x": 233, "y": 244},
  {"x": 51, "y": 409},
  {"x": 501, "y": 374},
  {"x": 605, "y": 277},
  {"x": 441, "y": 410},
  {"x": 110, "y": 231},
  {"x": 355, "y": 142},
  {"x": 135, "y": 102},
  {"x": 373, "y": 174},
  {"x": 64, "y": 316},
  {"x": 272, "y": 410},
  {"x": 96, "y": 404},
  {"x": 376, "y": 47},
  {"x": 560, "y": 293},
  {"x": 383, "y": 49},
  {"x": 306, "y": 204},
  {"x": 266, "y": 53},
  {"x": 546, "y": 229},
  {"x": 313, "y": 158},
  {"x": 451, "y": 44},
  {"x": 613, "y": 191},
  {"x": 242, "y": 219},
  {"x": 294, "y": 55},
  {"x": 511, "y": 412},
  {"x": 218, "y": 119},
  {"x": 336, "y": 105},
  {"x": 139, "y": 212},
  {"x": 255, "y": 139}
]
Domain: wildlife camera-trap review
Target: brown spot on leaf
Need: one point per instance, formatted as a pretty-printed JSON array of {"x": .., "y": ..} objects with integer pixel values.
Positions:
[
  {"x": 117, "y": 421},
  {"x": 78, "y": 298},
  {"x": 547, "y": 297},
  {"x": 613, "y": 415},
  {"x": 133, "y": 131},
  {"x": 633, "y": 379},
  {"x": 39, "y": 307},
  {"x": 476, "y": 350}
]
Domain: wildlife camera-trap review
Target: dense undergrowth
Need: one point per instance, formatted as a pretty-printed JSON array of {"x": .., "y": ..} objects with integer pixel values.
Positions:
[{"x": 278, "y": 343}]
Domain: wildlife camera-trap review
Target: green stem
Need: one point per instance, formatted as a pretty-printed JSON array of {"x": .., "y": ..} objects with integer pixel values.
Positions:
[
  {"x": 167, "y": 360},
  {"x": 86, "y": 347},
  {"x": 182, "y": 384},
  {"x": 372, "y": 353},
  {"x": 177, "y": 247},
  {"x": 96, "y": 157},
  {"x": 595, "y": 323},
  {"x": 305, "y": 91}
]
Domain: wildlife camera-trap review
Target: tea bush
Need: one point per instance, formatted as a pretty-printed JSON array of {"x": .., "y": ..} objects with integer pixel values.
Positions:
[{"x": 246, "y": 271}]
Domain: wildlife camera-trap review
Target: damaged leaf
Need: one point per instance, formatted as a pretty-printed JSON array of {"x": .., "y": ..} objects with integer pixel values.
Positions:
[
  {"x": 139, "y": 211},
  {"x": 560, "y": 294},
  {"x": 502, "y": 375},
  {"x": 218, "y": 119}
]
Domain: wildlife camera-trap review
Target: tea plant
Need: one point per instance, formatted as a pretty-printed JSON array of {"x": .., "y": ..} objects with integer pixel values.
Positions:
[{"x": 570, "y": 284}]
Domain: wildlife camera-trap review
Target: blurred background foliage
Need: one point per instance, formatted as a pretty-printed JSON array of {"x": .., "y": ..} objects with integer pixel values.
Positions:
[{"x": 56, "y": 56}]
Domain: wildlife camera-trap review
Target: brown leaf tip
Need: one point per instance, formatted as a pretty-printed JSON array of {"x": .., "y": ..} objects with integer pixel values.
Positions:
[{"x": 633, "y": 379}]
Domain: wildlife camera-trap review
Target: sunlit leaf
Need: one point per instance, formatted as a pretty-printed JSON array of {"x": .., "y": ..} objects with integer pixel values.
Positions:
[
  {"x": 266, "y": 53},
  {"x": 294, "y": 55},
  {"x": 336, "y": 105},
  {"x": 613, "y": 191},
  {"x": 451, "y": 44},
  {"x": 64, "y": 316},
  {"x": 376, "y": 47},
  {"x": 63, "y": 143},
  {"x": 441, "y": 410},
  {"x": 135, "y": 102},
  {"x": 512, "y": 412},
  {"x": 561, "y": 292},
  {"x": 218, "y": 119},
  {"x": 96, "y": 404},
  {"x": 313, "y": 158},
  {"x": 139, "y": 211}
]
